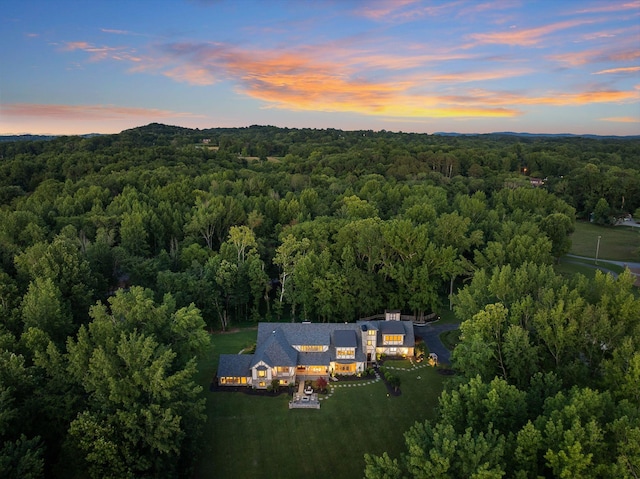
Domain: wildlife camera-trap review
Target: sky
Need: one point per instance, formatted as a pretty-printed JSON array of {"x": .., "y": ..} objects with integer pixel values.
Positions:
[{"x": 552, "y": 66}]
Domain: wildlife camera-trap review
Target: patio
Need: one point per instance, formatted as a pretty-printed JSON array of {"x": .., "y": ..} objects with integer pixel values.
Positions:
[{"x": 304, "y": 399}]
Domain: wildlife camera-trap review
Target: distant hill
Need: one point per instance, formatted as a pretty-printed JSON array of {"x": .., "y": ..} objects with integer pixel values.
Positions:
[
  {"x": 27, "y": 137},
  {"x": 151, "y": 132},
  {"x": 538, "y": 135}
]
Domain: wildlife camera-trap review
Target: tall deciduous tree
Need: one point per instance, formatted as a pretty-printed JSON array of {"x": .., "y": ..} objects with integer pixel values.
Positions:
[
  {"x": 44, "y": 308},
  {"x": 287, "y": 255}
]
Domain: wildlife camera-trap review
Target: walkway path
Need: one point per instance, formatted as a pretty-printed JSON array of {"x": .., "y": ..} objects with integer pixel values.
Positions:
[{"x": 355, "y": 384}]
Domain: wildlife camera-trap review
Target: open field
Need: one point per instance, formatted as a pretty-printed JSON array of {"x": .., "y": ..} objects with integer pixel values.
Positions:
[
  {"x": 618, "y": 243},
  {"x": 254, "y": 436}
]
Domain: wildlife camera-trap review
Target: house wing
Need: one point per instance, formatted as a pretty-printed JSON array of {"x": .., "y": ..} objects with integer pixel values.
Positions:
[{"x": 234, "y": 365}]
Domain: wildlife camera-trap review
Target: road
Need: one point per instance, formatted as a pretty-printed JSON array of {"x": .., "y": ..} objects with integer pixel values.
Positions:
[
  {"x": 430, "y": 333},
  {"x": 634, "y": 267}
]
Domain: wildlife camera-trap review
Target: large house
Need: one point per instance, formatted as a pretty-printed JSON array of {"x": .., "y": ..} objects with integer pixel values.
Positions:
[{"x": 290, "y": 351}]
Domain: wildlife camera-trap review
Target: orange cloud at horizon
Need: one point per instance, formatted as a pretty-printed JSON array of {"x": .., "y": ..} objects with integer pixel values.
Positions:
[
  {"x": 587, "y": 97},
  {"x": 105, "y": 112},
  {"x": 327, "y": 78},
  {"x": 622, "y": 119},
  {"x": 291, "y": 81}
]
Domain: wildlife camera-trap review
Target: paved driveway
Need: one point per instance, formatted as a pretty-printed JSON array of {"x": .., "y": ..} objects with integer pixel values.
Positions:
[{"x": 430, "y": 334}]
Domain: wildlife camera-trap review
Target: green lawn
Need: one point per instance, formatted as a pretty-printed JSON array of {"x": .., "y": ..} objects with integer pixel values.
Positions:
[
  {"x": 254, "y": 437},
  {"x": 618, "y": 243}
]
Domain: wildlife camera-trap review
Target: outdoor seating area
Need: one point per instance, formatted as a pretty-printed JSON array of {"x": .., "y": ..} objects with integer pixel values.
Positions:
[{"x": 305, "y": 398}]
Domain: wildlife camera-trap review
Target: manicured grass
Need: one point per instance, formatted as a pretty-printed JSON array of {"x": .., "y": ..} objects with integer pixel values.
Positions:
[
  {"x": 569, "y": 269},
  {"x": 618, "y": 243},
  {"x": 253, "y": 436},
  {"x": 447, "y": 316}
]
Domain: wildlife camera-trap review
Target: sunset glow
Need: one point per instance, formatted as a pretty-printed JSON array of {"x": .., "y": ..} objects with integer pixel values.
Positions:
[{"x": 407, "y": 65}]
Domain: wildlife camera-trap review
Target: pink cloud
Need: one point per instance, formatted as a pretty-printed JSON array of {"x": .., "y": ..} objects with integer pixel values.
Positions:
[
  {"x": 618, "y": 70},
  {"x": 104, "y": 52},
  {"x": 622, "y": 119},
  {"x": 337, "y": 78},
  {"x": 612, "y": 7},
  {"x": 193, "y": 75},
  {"x": 383, "y": 9},
  {"x": 615, "y": 54},
  {"x": 87, "y": 111},
  {"x": 524, "y": 37}
]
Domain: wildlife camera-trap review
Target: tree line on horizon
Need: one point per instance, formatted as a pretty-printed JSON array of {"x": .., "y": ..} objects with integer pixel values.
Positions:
[{"x": 118, "y": 252}]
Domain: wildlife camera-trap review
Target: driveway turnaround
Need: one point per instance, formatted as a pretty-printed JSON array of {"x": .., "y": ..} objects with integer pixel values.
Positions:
[{"x": 430, "y": 333}]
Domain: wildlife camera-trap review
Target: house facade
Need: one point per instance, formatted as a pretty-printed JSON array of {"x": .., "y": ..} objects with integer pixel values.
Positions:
[{"x": 290, "y": 351}]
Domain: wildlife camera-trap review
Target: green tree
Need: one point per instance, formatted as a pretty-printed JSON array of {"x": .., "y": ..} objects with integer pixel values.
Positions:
[
  {"x": 44, "y": 308},
  {"x": 558, "y": 228},
  {"x": 290, "y": 251},
  {"x": 138, "y": 424},
  {"x": 602, "y": 212}
]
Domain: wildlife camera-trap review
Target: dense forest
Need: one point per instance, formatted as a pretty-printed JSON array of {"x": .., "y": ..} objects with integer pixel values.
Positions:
[{"x": 120, "y": 253}]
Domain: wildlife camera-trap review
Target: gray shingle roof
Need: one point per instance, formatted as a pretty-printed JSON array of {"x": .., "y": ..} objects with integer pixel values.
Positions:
[
  {"x": 345, "y": 338},
  {"x": 314, "y": 359},
  {"x": 234, "y": 365},
  {"x": 393, "y": 327},
  {"x": 275, "y": 350}
]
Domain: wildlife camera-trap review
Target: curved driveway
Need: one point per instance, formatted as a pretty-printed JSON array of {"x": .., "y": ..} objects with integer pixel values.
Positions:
[{"x": 430, "y": 333}]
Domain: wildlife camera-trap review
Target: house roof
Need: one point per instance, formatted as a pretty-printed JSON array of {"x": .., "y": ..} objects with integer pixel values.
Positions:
[
  {"x": 314, "y": 359},
  {"x": 275, "y": 351},
  {"x": 275, "y": 344},
  {"x": 345, "y": 338},
  {"x": 234, "y": 365},
  {"x": 393, "y": 327},
  {"x": 309, "y": 334}
]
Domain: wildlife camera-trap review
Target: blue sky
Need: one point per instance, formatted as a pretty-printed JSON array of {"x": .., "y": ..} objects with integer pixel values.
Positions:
[{"x": 72, "y": 67}]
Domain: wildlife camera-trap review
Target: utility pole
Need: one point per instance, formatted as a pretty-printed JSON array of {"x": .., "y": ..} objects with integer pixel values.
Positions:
[{"x": 598, "y": 248}]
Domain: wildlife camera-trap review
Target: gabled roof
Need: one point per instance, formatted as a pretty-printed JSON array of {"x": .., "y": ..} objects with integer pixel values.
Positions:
[
  {"x": 345, "y": 338},
  {"x": 310, "y": 334},
  {"x": 275, "y": 351},
  {"x": 234, "y": 365}
]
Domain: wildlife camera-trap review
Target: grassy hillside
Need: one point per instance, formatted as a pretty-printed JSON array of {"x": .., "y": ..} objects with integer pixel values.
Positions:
[{"x": 618, "y": 243}]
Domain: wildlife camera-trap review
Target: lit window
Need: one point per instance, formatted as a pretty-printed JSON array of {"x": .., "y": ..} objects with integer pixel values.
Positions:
[
  {"x": 262, "y": 374},
  {"x": 369, "y": 343},
  {"x": 372, "y": 332},
  {"x": 311, "y": 349}
]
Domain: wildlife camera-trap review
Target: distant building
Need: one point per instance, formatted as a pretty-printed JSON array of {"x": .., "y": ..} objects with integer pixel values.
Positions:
[{"x": 536, "y": 182}]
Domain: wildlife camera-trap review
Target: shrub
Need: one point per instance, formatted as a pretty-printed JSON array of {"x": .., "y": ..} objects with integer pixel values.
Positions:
[
  {"x": 275, "y": 385},
  {"x": 322, "y": 384}
]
